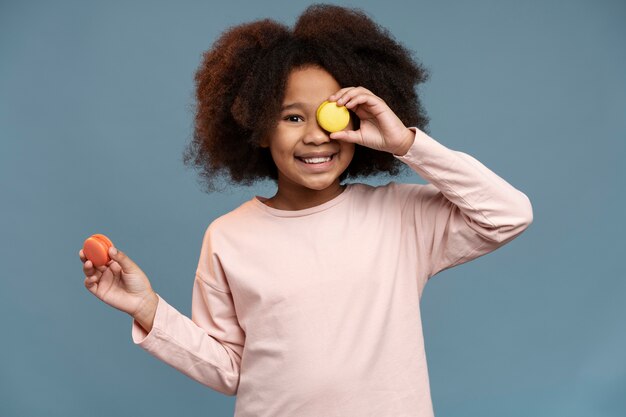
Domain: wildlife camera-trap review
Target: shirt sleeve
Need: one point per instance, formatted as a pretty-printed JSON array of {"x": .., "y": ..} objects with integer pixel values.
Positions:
[
  {"x": 208, "y": 347},
  {"x": 465, "y": 211}
]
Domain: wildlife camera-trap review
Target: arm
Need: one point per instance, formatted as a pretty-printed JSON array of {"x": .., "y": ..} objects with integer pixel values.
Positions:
[
  {"x": 208, "y": 347},
  {"x": 145, "y": 317},
  {"x": 465, "y": 212}
]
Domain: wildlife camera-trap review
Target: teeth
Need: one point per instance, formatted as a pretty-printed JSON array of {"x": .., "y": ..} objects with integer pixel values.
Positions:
[{"x": 316, "y": 160}]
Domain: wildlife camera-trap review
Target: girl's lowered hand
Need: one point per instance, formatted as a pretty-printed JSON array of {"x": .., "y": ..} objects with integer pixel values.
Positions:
[
  {"x": 380, "y": 128},
  {"x": 121, "y": 284}
]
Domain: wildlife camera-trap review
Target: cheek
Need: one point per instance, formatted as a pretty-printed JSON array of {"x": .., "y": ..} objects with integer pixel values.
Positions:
[
  {"x": 347, "y": 152},
  {"x": 282, "y": 156}
]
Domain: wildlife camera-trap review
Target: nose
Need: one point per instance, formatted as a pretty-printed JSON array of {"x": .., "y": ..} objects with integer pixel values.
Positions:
[{"x": 315, "y": 134}]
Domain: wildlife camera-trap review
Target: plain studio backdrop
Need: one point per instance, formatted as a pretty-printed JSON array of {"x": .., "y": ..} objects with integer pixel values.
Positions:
[{"x": 96, "y": 105}]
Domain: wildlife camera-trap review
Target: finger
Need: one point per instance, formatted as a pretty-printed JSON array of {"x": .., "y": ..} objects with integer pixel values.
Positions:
[
  {"x": 352, "y": 92},
  {"x": 115, "y": 268},
  {"x": 125, "y": 262},
  {"x": 347, "y": 90},
  {"x": 81, "y": 255},
  {"x": 92, "y": 279},
  {"x": 347, "y": 136},
  {"x": 339, "y": 93},
  {"x": 359, "y": 99},
  {"x": 88, "y": 268},
  {"x": 91, "y": 283}
]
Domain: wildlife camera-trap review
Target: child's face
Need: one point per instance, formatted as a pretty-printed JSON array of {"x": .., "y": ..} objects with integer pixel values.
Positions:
[{"x": 298, "y": 133}]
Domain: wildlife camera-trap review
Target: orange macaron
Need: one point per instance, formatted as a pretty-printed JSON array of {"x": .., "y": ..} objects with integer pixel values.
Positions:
[{"x": 96, "y": 249}]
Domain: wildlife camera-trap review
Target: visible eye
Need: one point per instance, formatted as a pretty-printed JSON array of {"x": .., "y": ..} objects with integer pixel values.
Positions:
[{"x": 292, "y": 118}]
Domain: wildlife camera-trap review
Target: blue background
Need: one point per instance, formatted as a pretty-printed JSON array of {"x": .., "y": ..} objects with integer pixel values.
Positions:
[{"x": 96, "y": 105}]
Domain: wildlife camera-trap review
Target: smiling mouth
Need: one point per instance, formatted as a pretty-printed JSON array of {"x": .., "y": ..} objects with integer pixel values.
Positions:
[{"x": 318, "y": 160}]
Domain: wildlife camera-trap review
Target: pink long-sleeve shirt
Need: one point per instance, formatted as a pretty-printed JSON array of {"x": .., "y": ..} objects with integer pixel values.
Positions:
[{"x": 316, "y": 312}]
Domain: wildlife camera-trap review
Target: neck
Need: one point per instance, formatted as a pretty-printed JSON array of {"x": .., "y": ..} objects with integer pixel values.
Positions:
[{"x": 304, "y": 198}]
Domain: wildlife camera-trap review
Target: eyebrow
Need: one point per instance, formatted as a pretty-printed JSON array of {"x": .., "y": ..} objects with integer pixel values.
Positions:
[{"x": 293, "y": 105}]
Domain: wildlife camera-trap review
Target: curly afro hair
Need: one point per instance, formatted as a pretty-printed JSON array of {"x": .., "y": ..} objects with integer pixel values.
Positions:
[{"x": 241, "y": 81}]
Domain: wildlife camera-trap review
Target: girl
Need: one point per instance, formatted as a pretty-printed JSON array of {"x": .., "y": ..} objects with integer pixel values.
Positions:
[{"x": 307, "y": 303}]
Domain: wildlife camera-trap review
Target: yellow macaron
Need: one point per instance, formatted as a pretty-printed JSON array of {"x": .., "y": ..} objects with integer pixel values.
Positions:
[{"x": 331, "y": 117}]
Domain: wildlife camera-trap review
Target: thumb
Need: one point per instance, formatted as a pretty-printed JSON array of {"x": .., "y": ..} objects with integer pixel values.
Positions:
[
  {"x": 121, "y": 258},
  {"x": 347, "y": 136}
]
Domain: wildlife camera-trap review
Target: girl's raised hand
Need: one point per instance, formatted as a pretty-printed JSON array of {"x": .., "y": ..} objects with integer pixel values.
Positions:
[
  {"x": 120, "y": 283},
  {"x": 380, "y": 128}
]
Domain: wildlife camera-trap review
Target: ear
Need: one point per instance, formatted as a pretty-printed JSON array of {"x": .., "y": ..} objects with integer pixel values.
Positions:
[{"x": 263, "y": 142}]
